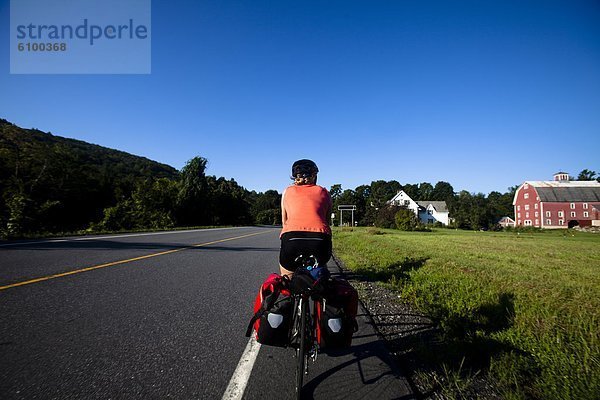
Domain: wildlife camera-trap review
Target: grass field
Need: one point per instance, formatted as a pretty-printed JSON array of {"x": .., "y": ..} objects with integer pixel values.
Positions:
[{"x": 523, "y": 308}]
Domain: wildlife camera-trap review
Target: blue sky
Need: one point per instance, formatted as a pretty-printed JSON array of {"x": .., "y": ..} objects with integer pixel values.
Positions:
[{"x": 481, "y": 94}]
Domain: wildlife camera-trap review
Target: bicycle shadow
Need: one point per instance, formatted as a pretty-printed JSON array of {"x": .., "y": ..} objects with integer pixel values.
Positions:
[{"x": 369, "y": 372}]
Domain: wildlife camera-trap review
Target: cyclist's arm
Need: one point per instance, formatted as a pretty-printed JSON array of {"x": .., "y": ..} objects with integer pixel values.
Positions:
[
  {"x": 283, "y": 211},
  {"x": 329, "y": 208}
]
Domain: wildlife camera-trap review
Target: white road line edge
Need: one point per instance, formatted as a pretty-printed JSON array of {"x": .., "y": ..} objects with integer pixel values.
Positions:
[
  {"x": 117, "y": 236},
  {"x": 241, "y": 375}
]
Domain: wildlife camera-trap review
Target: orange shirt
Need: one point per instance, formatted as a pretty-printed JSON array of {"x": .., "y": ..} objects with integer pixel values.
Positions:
[{"x": 306, "y": 207}]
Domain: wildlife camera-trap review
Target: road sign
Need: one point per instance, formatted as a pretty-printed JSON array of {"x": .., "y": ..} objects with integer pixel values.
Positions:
[{"x": 346, "y": 207}]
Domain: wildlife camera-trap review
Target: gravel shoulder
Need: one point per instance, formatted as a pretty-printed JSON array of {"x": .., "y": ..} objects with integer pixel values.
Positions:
[{"x": 406, "y": 331}]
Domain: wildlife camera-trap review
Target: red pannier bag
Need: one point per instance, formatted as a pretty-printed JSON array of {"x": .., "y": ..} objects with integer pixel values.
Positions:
[
  {"x": 336, "y": 315},
  {"x": 273, "y": 308}
]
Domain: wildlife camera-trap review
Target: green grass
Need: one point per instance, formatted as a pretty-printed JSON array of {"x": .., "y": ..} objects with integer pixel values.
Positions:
[{"x": 524, "y": 308}]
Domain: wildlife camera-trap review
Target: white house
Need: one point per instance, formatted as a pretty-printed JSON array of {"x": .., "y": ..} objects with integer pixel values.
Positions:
[
  {"x": 505, "y": 222},
  {"x": 428, "y": 212},
  {"x": 404, "y": 200}
]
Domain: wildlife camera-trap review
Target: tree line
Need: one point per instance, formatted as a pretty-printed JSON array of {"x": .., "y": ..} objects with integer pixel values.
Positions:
[
  {"x": 467, "y": 210},
  {"x": 51, "y": 184}
]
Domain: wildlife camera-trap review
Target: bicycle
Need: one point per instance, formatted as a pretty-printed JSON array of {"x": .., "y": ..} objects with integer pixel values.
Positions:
[{"x": 305, "y": 285}]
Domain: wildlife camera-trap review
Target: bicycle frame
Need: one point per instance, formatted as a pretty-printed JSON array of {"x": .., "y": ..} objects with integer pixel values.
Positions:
[
  {"x": 304, "y": 336},
  {"x": 304, "y": 323}
]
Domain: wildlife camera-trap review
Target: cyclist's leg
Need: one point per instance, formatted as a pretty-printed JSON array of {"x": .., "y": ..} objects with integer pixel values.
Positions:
[
  {"x": 285, "y": 272},
  {"x": 288, "y": 253},
  {"x": 323, "y": 250}
]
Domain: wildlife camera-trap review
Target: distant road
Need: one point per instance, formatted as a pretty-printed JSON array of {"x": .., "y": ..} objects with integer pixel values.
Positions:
[{"x": 155, "y": 316}]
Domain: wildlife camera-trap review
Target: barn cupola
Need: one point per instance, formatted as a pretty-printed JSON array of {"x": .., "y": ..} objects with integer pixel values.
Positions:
[{"x": 561, "y": 176}]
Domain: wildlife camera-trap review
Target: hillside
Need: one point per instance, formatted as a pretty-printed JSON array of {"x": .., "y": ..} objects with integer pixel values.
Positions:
[{"x": 51, "y": 183}]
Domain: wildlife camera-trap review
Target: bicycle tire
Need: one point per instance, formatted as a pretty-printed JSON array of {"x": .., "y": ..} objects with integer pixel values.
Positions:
[{"x": 301, "y": 360}]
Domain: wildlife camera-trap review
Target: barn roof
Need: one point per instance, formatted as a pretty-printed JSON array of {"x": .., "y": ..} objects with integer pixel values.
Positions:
[{"x": 570, "y": 191}]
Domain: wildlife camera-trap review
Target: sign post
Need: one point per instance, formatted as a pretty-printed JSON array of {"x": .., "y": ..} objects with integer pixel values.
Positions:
[{"x": 346, "y": 207}]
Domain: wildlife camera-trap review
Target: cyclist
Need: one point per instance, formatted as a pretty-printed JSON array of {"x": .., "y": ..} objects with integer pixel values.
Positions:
[{"x": 305, "y": 207}]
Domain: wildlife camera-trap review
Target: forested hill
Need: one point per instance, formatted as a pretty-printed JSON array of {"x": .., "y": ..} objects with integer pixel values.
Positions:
[
  {"x": 32, "y": 143},
  {"x": 61, "y": 184}
]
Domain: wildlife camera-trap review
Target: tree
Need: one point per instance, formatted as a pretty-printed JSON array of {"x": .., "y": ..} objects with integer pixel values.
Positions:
[
  {"x": 150, "y": 206},
  {"x": 385, "y": 217},
  {"x": 265, "y": 208},
  {"x": 335, "y": 191},
  {"x": 406, "y": 220},
  {"x": 587, "y": 175},
  {"x": 443, "y": 191},
  {"x": 362, "y": 194},
  {"x": 226, "y": 202},
  {"x": 383, "y": 191},
  {"x": 480, "y": 215},
  {"x": 460, "y": 209},
  {"x": 500, "y": 205},
  {"x": 378, "y": 194},
  {"x": 425, "y": 191},
  {"x": 193, "y": 195},
  {"x": 412, "y": 190}
]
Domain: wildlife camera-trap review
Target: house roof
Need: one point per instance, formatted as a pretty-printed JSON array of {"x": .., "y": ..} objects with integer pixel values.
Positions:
[
  {"x": 506, "y": 218},
  {"x": 440, "y": 206},
  {"x": 571, "y": 191}
]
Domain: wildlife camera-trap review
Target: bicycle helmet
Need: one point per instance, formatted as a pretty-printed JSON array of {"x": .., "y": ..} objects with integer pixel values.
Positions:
[{"x": 304, "y": 168}]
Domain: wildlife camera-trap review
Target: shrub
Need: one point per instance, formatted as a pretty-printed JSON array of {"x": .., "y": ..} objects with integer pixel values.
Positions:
[
  {"x": 524, "y": 229},
  {"x": 385, "y": 217},
  {"x": 268, "y": 217},
  {"x": 406, "y": 220}
]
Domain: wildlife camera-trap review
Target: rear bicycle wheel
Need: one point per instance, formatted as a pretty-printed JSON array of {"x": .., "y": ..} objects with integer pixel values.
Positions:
[{"x": 301, "y": 352}]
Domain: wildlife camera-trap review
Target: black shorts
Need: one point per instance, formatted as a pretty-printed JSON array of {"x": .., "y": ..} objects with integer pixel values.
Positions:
[{"x": 294, "y": 244}]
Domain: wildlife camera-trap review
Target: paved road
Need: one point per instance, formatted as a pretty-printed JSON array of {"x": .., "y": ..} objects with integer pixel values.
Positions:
[{"x": 155, "y": 316}]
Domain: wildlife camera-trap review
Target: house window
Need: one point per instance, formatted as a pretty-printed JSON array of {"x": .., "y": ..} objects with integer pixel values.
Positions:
[
  {"x": 526, "y": 186},
  {"x": 535, "y": 206},
  {"x": 561, "y": 214},
  {"x": 537, "y": 222},
  {"x": 527, "y": 222},
  {"x": 586, "y": 214},
  {"x": 526, "y": 215},
  {"x": 526, "y": 206},
  {"x": 548, "y": 222},
  {"x": 537, "y": 214},
  {"x": 585, "y": 206},
  {"x": 518, "y": 208},
  {"x": 518, "y": 215},
  {"x": 526, "y": 196},
  {"x": 561, "y": 222},
  {"x": 548, "y": 214},
  {"x": 430, "y": 212},
  {"x": 406, "y": 202},
  {"x": 573, "y": 214},
  {"x": 572, "y": 206}
]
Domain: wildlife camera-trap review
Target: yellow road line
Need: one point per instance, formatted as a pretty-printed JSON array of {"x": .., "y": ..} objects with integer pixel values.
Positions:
[{"x": 110, "y": 264}]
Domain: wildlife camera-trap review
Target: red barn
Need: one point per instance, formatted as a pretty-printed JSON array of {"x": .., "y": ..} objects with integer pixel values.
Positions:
[{"x": 560, "y": 203}]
